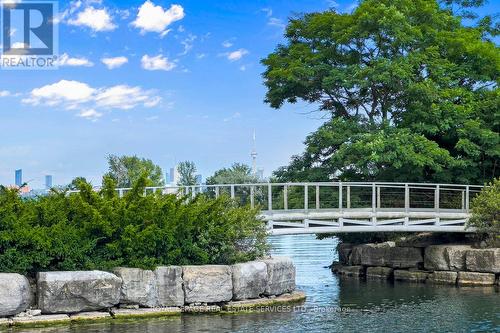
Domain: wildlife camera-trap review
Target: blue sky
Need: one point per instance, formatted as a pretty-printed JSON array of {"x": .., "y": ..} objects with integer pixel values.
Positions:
[{"x": 170, "y": 81}]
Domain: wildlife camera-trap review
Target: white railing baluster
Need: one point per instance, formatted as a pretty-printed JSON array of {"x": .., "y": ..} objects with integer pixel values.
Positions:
[
  {"x": 285, "y": 197},
  {"x": 269, "y": 197},
  {"x": 340, "y": 196},
  {"x": 306, "y": 197}
]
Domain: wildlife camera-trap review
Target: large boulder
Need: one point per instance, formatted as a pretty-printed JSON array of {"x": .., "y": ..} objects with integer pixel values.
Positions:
[
  {"x": 138, "y": 286},
  {"x": 371, "y": 254},
  {"x": 445, "y": 257},
  {"x": 435, "y": 258},
  {"x": 386, "y": 254},
  {"x": 476, "y": 279},
  {"x": 455, "y": 255},
  {"x": 351, "y": 271},
  {"x": 15, "y": 294},
  {"x": 344, "y": 250},
  {"x": 207, "y": 284},
  {"x": 410, "y": 276},
  {"x": 169, "y": 285},
  {"x": 443, "y": 277},
  {"x": 249, "y": 280},
  {"x": 69, "y": 292},
  {"x": 483, "y": 260},
  {"x": 383, "y": 273},
  {"x": 281, "y": 276}
]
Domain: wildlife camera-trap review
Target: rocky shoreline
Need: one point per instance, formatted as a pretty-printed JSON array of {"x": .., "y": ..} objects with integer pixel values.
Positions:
[
  {"x": 420, "y": 262},
  {"x": 76, "y": 296}
]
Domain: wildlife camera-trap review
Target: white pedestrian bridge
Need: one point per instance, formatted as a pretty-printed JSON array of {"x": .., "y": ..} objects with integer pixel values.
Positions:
[{"x": 341, "y": 207}]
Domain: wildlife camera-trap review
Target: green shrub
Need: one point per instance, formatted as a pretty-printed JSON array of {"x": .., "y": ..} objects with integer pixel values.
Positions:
[
  {"x": 486, "y": 211},
  {"x": 99, "y": 230}
]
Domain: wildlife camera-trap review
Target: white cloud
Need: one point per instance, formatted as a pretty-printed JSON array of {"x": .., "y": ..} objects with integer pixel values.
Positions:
[
  {"x": 4, "y": 93},
  {"x": 90, "y": 114},
  {"x": 157, "y": 63},
  {"x": 75, "y": 95},
  {"x": 236, "y": 55},
  {"x": 64, "y": 91},
  {"x": 66, "y": 60},
  {"x": 188, "y": 44},
  {"x": 201, "y": 55},
  {"x": 268, "y": 11},
  {"x": 115, "y": 62},
  {"x": 227, "y": 44},
  {"x": 151, "y": 18},
  {"x": 122, "y": 97},
  {"x": 233, "y": 116},
  {"x": 276, "y": 22},
  {"x": 95, "y": 19}
]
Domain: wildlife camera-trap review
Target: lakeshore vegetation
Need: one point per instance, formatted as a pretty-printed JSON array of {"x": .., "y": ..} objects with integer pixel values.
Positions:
[{"x": 100, "y": 230}]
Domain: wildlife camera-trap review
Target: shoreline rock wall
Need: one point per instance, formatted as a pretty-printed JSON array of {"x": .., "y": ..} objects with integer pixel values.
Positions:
[
  {"x": 70, "y": 293},
  {"x": 454, "y": 264}
]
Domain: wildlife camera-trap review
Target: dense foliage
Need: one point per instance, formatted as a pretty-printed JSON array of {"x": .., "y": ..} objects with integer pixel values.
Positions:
[
  {"x": 486, "y": 211},
  {"x": 99, "y": 230},
  {"x": 237, "y": 174},
  {"x": 187, "y": 173},
  {"x": 126, "y": 170},
  {"x": 411, "y": 92}
]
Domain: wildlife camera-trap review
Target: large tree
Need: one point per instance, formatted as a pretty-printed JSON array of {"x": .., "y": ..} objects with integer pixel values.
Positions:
[
  {"x": 127, "y": 170},
  {"x": 238, "y": 173},
  {"x": 411, "y": 92},
  {"x": 187, "y": 173}
]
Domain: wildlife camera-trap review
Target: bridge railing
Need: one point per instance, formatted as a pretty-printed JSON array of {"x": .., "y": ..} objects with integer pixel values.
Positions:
[{"x": 339, "y": 196}]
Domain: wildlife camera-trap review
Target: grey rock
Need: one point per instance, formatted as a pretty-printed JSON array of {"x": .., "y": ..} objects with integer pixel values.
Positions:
[
  {"x": 476, "y": 279},
  {"x": 169, "y": 285},
  {"x": 70, "y": 292},
  {"x": 281, "y": 276},
  {"x": 386, "y": 254},
  {"x": 207, "y": 284},
  {"x": 443, "y": 277},
  {"x": 435, "y": 258},
  {"x": 379, "y": 272},
  {"x": 455, "y": 255},
  {"x": 483, "y": 260},
  {"x": 344, "y": 250},
  {"x": 138, "y": 286},
  {"x": 352, "y": 271},
  {"x": 249, "y": 280},
  {"x": 410, "y": 276},
  {"x": 42, "y": 320},
  {"x": 15, "y": 294}
]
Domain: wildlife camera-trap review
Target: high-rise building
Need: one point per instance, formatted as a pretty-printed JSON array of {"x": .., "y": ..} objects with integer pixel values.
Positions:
[
  {"x": 48, "y": 182},
  {"x": 19, "y": 177},
  {"x": 172, "y": 175},
  {"x": 199, "y": 179},
  {"x": 167, "y": 178}
]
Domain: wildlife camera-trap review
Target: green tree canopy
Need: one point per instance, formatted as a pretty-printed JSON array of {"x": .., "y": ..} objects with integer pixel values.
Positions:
[
  {"x": 238, "y": 173},
  {"x": 126, "y": 170},
  {"x": 187, "y": 173},
  {"x": 411, "y": 92}
]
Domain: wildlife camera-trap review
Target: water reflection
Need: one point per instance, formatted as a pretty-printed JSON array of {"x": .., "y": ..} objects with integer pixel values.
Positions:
[{"x": 336, "y": 305}]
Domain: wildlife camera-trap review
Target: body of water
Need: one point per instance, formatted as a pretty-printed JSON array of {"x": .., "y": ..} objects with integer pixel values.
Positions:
[{"x": 335, "y": 305}]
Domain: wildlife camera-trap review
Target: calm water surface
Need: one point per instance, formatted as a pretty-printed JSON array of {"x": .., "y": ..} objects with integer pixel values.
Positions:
[{"x": 336, "y": 305}]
